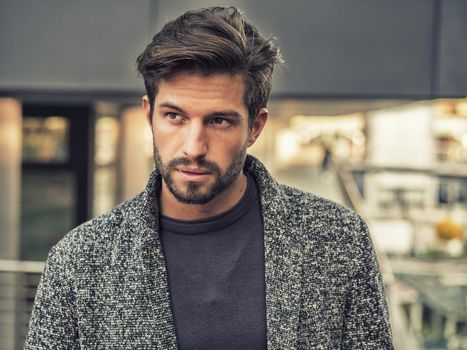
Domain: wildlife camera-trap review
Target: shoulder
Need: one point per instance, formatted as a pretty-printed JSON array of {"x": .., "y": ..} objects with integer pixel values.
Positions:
[
  {"x": 95, "y": 238},
  {"x": 333, "y": 237},
  {"x": 310, "y": 207},
  {"x": 326, "y": 226}
]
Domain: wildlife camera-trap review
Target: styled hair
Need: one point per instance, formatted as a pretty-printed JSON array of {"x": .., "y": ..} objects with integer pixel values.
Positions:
[{"x": 209, "y": 41}]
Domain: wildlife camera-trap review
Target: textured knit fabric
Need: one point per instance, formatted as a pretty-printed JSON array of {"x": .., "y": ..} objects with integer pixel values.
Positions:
[
  {"x": 215, "y": 269},
  {"x": 105, "y": 283}
]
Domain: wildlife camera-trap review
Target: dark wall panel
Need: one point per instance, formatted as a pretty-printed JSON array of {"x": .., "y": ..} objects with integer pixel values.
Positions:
[
  {"x": 355, "y": 47},
  {"x": 332, "y": 47},
  {"x": 453, "y": 49},
  {"x": 335, "y": 47},
  {"x": 79, "y": 45}
]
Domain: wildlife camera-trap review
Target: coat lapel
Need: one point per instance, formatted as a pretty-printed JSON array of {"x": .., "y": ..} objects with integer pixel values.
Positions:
[
  {"x": 283, "y": 264},
  {"x": 160, "y": 328},
  {"x": 283, "y": 261}
]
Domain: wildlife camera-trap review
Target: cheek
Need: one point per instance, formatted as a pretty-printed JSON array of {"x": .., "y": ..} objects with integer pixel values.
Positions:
[
  {"x": 226, "y": 151},
  {"x": 167, "y": 143}
]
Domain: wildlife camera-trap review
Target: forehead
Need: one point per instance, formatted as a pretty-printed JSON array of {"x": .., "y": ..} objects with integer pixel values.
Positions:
[{"x": 203, "y": 91}]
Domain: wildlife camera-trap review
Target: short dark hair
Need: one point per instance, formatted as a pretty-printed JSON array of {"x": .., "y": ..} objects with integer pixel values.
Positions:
[{"x": 209, "y": 41}]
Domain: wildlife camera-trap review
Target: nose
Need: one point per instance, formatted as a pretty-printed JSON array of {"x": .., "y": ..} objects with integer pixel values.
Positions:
[{"x": 195, "y": 145}]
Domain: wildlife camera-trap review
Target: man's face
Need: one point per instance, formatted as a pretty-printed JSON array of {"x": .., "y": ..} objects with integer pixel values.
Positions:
[{"x": 200, "y": 129}]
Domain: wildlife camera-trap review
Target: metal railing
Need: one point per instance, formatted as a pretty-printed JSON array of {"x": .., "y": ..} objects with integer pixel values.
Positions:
[{"x": 18, "y": 284}]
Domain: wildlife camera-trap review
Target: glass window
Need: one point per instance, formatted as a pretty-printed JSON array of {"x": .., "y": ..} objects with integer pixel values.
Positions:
[
  {"x": 45, "y": 139},
  {"x": 47, "y": 207}
]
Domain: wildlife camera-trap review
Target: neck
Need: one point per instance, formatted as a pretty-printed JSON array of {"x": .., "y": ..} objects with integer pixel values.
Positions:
[{"x": 173, "y": 208}]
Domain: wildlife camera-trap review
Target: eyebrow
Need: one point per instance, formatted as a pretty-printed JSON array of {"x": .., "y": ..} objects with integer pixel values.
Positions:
[
  {"x": 226, "y": 113},
  {"x": 171, "y": 106}
]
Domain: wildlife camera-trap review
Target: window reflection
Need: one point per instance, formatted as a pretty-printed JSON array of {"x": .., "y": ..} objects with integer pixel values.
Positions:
[
  {"x": 106, "y": 141},
  {"x": 45, "y": 139},
  {"x": 47, "y": 207}
]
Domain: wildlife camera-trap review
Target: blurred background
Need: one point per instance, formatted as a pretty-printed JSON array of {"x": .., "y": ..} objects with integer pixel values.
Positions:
[{"x": 369, "y": 111}]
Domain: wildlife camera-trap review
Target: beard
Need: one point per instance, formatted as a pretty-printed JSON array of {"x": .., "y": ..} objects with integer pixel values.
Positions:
[{"x": 194, "y": 194}]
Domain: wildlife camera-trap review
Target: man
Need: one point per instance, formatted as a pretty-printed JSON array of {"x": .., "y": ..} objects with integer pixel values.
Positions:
[{"x": 214, "y": 254}]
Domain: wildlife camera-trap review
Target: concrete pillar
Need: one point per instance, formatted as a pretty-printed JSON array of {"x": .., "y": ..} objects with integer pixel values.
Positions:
[
  {"x": 10, "y": 172},
  {"x": 136, "y": 152}
]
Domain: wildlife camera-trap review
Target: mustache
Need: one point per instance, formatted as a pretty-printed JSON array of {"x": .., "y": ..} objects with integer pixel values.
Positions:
[{"x": 198, "y": 162}]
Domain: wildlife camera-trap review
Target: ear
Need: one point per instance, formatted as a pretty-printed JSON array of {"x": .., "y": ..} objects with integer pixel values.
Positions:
[
  {"x": 147, "y": 108},
  {"x": 258, "y": 125}
]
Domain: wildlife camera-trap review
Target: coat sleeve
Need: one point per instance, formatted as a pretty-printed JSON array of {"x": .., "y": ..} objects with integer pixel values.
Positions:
[
  {"x": 366, "y": 319},
  {"x": 53, "y": 323}
]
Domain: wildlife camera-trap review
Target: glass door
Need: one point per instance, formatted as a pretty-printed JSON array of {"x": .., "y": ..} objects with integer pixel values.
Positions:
[{"x": 56, "y": 168}]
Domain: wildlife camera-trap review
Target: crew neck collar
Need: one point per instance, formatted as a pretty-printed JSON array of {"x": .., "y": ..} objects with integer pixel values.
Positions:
[{"x": 216, "y": 222}]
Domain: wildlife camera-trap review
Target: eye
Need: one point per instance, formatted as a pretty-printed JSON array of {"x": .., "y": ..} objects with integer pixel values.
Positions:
[
  {"x": 220, "y": 122},
  {"x": 173, "y": 117}
]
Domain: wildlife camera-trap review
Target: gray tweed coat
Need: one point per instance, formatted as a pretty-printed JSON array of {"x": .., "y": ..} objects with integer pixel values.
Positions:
[{"x": 105, "y": 284}]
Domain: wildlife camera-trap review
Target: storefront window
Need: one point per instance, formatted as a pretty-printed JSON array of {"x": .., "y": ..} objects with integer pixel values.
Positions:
[
  {"x": 45, "y": 139},
  {"x": 47, "y": 207}
]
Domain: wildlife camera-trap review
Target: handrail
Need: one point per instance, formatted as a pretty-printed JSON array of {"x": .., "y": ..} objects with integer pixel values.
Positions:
[
  {"x": 439, "y": 169},
  {"x": 19, "y": 280},
  {"x": 352, "y": 192},
  {"x": 21, "y": 266}
]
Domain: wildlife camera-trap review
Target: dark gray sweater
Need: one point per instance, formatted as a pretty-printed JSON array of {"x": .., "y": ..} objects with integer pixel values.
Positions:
[
  {"x": 215, "y": 269},
  {"x": 105, "y": 283}
]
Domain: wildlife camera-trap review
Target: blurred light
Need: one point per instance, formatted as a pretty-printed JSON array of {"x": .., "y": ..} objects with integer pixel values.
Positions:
[
  {"x": 286, "y": 144},
  {"x": 55, "y": 123},
  {"x": 445, "y": 107},
  {"x": 464, "y": 141},
  {"x": 358, "y": 138},
  {"x": 106, "y": 140},
  {"x": 148, "y": 149},
  {"x": 461, "y": 107}
]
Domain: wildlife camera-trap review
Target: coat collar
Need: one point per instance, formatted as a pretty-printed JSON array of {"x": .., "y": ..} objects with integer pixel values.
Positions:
[{"x": 282, "y": 260}]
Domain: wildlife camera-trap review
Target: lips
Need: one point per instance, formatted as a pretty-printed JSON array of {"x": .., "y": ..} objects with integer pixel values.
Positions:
[
  {"x": 194, "y": 171},
  {"x": 193, "y": 174}
]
